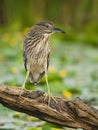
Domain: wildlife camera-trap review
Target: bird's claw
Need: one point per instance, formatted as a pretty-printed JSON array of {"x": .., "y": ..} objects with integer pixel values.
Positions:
[{"x": 49, "y": 98}]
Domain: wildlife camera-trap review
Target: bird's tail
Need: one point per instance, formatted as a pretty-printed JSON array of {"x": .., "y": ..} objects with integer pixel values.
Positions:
[{"x": 33, "y": 79}]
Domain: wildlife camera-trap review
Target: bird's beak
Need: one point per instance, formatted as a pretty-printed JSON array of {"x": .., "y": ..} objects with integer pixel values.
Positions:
[{"x": 58, "y": 30}]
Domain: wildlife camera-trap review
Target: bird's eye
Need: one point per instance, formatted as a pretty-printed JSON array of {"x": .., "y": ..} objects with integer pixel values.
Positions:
[{"x": 47, "y": 25}]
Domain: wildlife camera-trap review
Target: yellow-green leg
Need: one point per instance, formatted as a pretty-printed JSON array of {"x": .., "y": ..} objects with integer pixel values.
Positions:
[
  {"x": 48, "y": 88},
  {"x": 23, "y": 86}
]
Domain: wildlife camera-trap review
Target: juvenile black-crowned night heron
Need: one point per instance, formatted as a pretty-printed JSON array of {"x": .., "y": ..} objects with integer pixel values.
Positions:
[{"x": 36, "y": 52}]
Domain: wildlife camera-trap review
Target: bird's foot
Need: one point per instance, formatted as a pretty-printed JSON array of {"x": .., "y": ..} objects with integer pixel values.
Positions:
[
  {"x": 20, "y": 93},
  {"x": 21, "y": 90},
  {"x": 49, "y": 98}
]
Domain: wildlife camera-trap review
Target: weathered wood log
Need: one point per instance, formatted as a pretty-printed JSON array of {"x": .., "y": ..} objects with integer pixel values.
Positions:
[{"x": 70, "y": 113}]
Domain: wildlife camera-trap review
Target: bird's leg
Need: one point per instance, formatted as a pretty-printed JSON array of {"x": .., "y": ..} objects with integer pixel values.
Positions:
[
  {"x": 48, "y": 88},
  {"x": 23, "y": 86}
]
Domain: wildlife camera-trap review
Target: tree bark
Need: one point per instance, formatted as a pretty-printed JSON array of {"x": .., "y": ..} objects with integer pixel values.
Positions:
[{"x": 69, "y": 113}]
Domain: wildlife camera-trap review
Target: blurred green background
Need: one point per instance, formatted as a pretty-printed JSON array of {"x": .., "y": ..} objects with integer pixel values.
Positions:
[{"x": 73, "y": 67}]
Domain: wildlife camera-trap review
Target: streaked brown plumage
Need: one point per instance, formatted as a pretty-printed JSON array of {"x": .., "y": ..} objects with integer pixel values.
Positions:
[{"x": 36, "y": 51}]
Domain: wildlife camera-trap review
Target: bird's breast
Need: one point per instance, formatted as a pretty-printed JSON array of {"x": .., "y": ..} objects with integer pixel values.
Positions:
[{"x": 39, "y": 53}]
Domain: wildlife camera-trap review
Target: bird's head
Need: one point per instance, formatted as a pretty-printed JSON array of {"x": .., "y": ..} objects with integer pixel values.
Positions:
[{"x": 47, "y": 27}]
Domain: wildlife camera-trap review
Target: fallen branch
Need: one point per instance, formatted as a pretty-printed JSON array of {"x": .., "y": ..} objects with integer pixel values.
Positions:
[{"x": 70, "y": 113}]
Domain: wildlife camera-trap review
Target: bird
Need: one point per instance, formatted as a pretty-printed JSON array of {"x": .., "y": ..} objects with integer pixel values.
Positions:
[{"x": 36, "y": 52}]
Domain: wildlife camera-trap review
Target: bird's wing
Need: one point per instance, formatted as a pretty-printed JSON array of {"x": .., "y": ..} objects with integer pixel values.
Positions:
[
  {"x": 48, "y": 60},
  {"x": 25, "y": 55},
  {"x": 26, "y": 41},
  {"x": 25, "y": 59}
]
